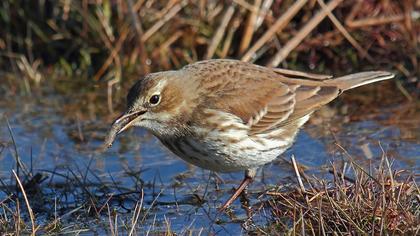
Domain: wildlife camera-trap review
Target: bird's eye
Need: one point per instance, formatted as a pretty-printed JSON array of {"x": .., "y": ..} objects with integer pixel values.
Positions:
[{"x": 154, "y": 99}]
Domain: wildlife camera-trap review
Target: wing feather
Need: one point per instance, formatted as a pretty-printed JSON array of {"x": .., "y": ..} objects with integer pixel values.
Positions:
[{"x": 264, "y": 99}]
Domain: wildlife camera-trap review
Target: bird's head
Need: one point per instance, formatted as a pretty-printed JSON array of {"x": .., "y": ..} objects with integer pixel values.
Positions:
[{"x": 159, "y": 102}]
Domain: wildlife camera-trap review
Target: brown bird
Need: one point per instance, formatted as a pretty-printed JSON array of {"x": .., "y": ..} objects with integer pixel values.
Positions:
[{"x": 228, "y": 115}]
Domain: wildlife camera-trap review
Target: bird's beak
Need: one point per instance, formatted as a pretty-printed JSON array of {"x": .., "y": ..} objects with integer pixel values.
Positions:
[
  {"x": 125, "y": 121},
  {"x": 120, "y": 124}
]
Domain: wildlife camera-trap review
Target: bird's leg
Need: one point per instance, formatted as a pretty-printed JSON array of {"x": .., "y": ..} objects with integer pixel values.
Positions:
[
  {"x": 249, "y": 175},
  {"x": 238, "y": 191}
]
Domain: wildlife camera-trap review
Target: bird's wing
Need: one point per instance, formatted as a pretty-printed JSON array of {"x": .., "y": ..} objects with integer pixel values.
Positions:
[{"x": 260, "y": 97}]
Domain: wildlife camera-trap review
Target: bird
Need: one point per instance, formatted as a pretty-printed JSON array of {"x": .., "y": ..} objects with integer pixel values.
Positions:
[{"x": 227, "y": 115}]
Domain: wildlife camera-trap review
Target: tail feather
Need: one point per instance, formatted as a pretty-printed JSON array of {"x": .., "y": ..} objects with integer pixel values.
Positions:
[{"x": 359, "y": 79}]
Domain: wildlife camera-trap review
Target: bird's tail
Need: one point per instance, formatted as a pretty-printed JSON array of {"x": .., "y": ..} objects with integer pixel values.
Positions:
[{"x": 355, "y": 80}]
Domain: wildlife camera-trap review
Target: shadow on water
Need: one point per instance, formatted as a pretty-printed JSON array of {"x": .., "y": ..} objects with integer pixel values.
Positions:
[{"x": 57, "y": 130}]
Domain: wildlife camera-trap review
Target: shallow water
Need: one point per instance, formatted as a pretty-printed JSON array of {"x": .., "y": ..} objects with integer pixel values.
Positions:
[{"x": 57, "y": 130}]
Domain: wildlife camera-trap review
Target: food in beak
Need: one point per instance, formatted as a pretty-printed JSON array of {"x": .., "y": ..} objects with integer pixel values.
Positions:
[{"x": 119, "y": 125}]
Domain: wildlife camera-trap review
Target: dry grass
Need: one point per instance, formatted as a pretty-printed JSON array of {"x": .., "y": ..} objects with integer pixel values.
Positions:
[
  {"x": 355, "y": 202},
  {"x": 73, "y": 205},
  {"x": 384, "y": 203},
  {"x": 109, "y": 39}
]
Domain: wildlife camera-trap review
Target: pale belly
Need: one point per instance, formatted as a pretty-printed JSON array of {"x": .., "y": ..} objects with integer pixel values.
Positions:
[
  {"x": 232, "y": 150},
  {"x": 218, "y": 156}
]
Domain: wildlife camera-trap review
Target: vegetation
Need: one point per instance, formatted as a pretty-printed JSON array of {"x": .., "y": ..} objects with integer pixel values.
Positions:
[
  {"x": 102, "y": 40},
  {"x": 107, "y": 42},
  {"x": 385, "y": 202}
]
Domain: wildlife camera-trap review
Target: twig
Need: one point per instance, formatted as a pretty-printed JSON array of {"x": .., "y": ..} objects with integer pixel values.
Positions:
[
  {"x": 114, "y": 53},
  {"x": 297, "y": 39},
  {"x": 151, "y": 206},
  {"x": 220, "y": 31},
  {"x": 295, "y": 167},
  {"x": 388, "y": 165},
  {"x": 265, "y": 7},
  {"x": 174, "y": 10},
  {"x": 371, "y": 21},
  {"x": 229, "y": 37},
  {"x": 403, "y": 91},
  {"x": 246, "y": 5},
  {"x": 137, "y": 212},
  {"x": 105, "y": 23},
  {"x": 139, "y": 30},
  {"x": 19, "y": 163},
  {"x": 277, "y": 27},
  {"x": 165, "y": 45},
  {"x": 111, "y": 226},
  {"x": 110, "y": 84},
  {"x": 250, "y": 27},
  {"x": 31, "y": 214},
  {"x": 344, "y": 32},
  {"x": 214, "y": 12}
]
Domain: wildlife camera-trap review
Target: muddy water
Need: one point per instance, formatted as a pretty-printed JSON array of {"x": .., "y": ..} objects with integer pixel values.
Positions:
[{"x": 57, "y": 129}]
